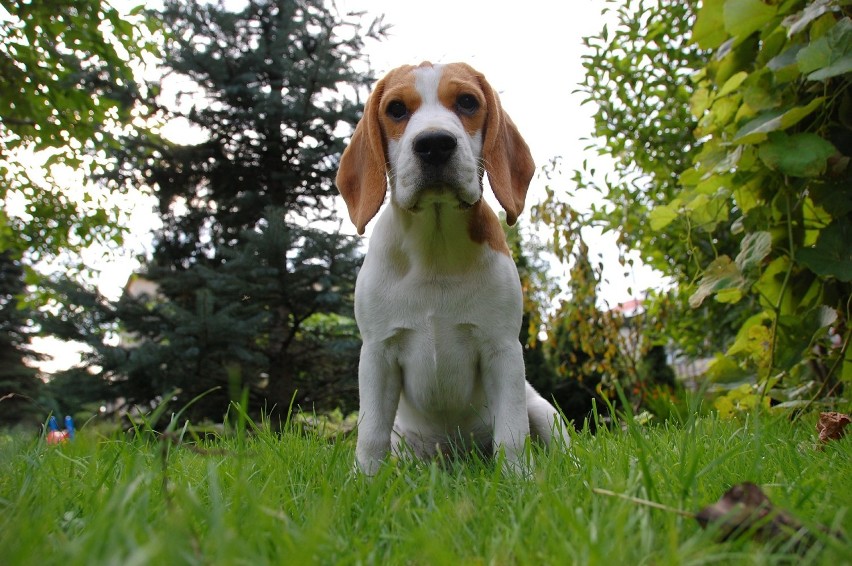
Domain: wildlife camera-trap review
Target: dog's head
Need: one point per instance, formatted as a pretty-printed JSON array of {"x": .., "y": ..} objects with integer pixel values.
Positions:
[{"x": 433, "y": 130}]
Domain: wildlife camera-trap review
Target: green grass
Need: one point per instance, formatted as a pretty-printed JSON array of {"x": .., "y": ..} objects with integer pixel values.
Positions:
[{"x": 292, "y": 498}]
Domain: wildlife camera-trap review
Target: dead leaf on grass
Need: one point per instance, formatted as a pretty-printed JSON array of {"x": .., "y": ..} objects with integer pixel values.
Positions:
[
  {"x": 832, "y": 426},
  {"x": 746, "y": 509}
]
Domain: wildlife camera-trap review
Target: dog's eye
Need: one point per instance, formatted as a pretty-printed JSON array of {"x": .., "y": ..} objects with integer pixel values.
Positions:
[
  {"x": 397, "y": 110},
  {"x": 467, "y": 104}
]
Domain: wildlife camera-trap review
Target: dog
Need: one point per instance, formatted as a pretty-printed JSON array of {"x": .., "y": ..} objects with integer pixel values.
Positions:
[{"x": 438, "y": 300}]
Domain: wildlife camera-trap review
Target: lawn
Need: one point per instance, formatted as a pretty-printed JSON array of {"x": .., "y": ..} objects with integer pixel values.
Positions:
[{"x": 260, "y": 497}]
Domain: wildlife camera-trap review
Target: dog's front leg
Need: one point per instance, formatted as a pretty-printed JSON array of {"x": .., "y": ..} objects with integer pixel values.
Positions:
[
  {"x": 505, "y": 390},
  {"x": 379, "y": 385}
]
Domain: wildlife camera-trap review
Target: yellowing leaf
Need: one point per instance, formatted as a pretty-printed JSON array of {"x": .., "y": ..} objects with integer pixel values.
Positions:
[
  {"x": 706, "y": 211},
  {"x": 800, "y": 20},
  {"x": 699, "y": 102},
  {"x": 724, "y": 407},
  {"x": 753, "y": 340},
  {"x": 742, "y": 399},
  {"x": 721, "y": 274},
  {"x": 753, "y": 249},
  {"x": 729, "y": 296},
  {"x": 747, "y": 196}
]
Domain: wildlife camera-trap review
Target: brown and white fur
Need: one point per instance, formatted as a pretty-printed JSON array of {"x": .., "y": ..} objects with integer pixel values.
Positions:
[{"x": 438, "y": 300}]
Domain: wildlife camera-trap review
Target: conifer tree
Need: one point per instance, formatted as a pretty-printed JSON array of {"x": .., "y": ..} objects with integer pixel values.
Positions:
[
  {"x": 254, "y": 291},
  {"x": 269, "y": 86},
  {"x": 19, "y": 384}
]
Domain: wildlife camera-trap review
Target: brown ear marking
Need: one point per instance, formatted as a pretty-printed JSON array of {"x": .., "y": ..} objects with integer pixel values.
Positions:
[
  {"x": 506, "y": 156},
  {"x": 362, "y": 177}
]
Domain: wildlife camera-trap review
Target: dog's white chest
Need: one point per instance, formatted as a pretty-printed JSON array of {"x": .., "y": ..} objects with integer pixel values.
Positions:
[{"x": 439, "y": 363}]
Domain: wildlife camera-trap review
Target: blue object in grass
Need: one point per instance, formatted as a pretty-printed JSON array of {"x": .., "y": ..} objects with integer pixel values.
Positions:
[
  {"x": 51, "y": 424},
  {"x": 69, "y": 427}
]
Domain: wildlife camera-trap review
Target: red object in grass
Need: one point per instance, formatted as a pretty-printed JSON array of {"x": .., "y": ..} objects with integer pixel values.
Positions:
[{"x": 57, "y": 436}]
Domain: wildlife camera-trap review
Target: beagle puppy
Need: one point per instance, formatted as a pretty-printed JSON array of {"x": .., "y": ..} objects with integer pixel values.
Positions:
[{"x": 438, "y": 299}]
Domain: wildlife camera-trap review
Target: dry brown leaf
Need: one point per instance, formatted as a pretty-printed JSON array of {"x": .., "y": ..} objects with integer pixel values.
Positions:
[
  {"x": 746, "y": 509},
  {"x": 832, "y": 426}
]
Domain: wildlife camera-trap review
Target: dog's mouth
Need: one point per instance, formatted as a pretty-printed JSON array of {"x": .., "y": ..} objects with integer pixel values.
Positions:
[{"x": 442, "y": 195}]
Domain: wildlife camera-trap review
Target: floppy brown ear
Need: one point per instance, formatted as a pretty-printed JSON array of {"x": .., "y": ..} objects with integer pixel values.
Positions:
[
  {"x": 361, "y": 178},
  {"x": 506, "y": 156}
]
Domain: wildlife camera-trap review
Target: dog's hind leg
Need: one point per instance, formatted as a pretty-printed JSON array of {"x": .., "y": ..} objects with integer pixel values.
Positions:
[{"x": 546, "y": 424}]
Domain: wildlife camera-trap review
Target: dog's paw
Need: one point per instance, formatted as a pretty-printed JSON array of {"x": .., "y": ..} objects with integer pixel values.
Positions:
[
  {"x": 517, "y": 465},
  {"x": 368, "y": 466}
]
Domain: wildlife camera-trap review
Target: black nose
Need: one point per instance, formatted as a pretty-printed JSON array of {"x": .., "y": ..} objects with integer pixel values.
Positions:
[{"x": 434, "y": 148}]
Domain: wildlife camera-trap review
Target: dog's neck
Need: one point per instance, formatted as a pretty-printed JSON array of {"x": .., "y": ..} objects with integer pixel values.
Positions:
[{"x": 443, "y": 237}]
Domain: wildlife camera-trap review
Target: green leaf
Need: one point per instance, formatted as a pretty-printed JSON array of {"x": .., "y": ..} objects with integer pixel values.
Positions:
[
  {"x": 755, "y": 131},
  {"x": 838, "y": 67},
  {"x": 798, "y": 155},
  {"x": 784, "y": 64},
  {"x": 832, "y": 254},
  {"x": 662, "y": 216},
  {"x": 846, "y": 371},
  {"x": 690, "y": 177},
  {"x": 721, "y": 274},
  {"x": 725, "y": 370},
  {"x": 771, "y": 284},
  {"x": 744, "y": 17},
  {"x": 833, "y": 195},
  {"x": 830, "y": 55},
  {"x": 797, "y": 333},
  {"x": 733, "y": 83},
  {"x": 709, "y": 29},
  {"x": 759, "y": 92}
]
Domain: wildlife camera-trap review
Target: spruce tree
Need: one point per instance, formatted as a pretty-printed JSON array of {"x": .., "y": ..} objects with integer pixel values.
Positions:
[
  {"x": 269, "y": 86},
  {"x": 254, "y": 284},
  {"x": 20, "y": 386}
]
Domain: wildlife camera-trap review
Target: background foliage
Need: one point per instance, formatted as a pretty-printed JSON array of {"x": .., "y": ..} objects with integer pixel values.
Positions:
[
  {"x": 774, "y": 120},
  {"x": 253, "y": 293},
  {"x": 67, "y": 93},
  {"x": 728, "y": 125}
]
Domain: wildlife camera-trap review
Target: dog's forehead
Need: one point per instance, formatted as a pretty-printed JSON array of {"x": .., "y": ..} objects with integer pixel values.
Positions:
[{"x": 433, "y": 83}]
